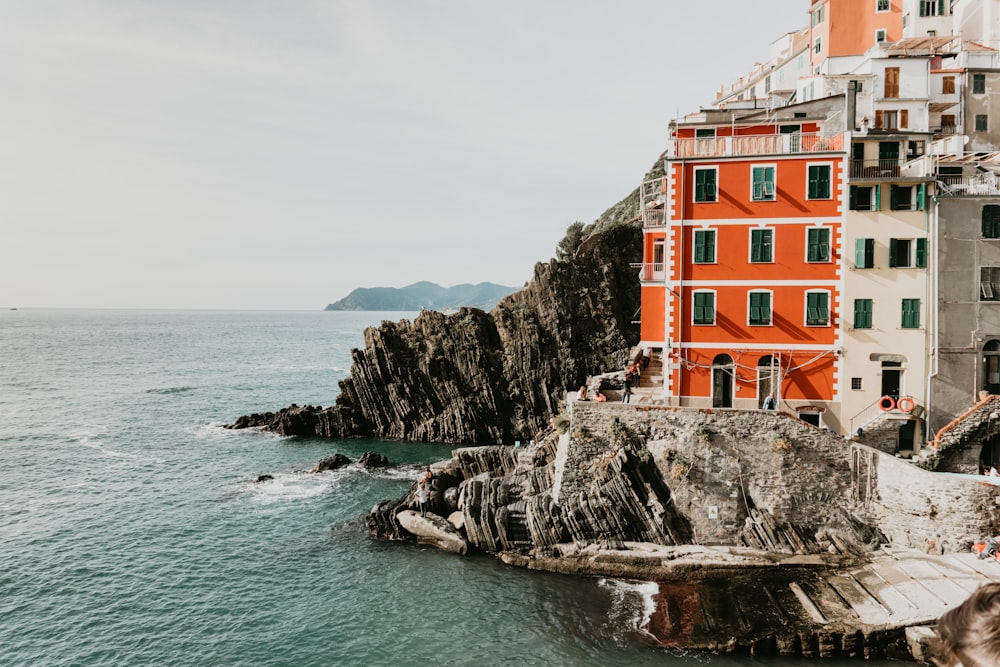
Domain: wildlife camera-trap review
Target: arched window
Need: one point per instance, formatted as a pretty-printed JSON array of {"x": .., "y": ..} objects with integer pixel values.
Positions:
[
  {"x": 723, "y": 384},
  {"x": 991, "y": 366}
]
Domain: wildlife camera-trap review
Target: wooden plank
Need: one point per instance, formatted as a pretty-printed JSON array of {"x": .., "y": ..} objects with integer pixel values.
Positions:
[
  {"x": 931, "y": 578},
  {"x": 810, "y": 606},
  {"x": 868, "y": 609},
  {"x": 890, "y": 597}
]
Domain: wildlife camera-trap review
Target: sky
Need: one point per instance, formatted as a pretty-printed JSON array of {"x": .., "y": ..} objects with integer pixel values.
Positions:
[{"x": 250, "y": 154}]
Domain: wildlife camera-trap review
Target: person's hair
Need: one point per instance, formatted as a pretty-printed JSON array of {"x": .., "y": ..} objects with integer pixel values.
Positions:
[{"x": 969, "y": 634}]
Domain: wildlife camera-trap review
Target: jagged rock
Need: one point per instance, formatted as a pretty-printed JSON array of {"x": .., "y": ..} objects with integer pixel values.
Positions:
[
  {"x": 373, "y": 460},
  {"x": 433, "y": 530},
  {"x": 493, "y": 378},
  {"x": 331, "y": 463},
  {"x": 263, "y": 478}
]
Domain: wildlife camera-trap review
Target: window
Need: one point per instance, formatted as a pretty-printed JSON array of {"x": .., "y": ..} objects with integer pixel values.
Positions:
[
  {"x": 932, "y": 7},
  {"x": 760, "y": 309},
  {"x": 819, "y": 181},
  {"x": 911, "y": 314},
  {"x": 915, "y": 149},
  {"x": 901, "y": 253},
  {"x": 704, "y": 246},
  {"x": 864, "y": 253},
  {"x": 862, "y": 313},
  {"x": 818, "y": 46},
  {"x": 989, "y": 283},
  {"x": 704, "y": 132},
  {"x": 981, "y": 122},
  {"x": 882, "y": 5},
  {"x": 767, "y": 84},
  {"x": 817, "y": 309},
  {"x": 856, "y": 383},
  {"x": 704, "y": 185},
  {"x": 991, "y": 221},
  {"x": 818, "y": 244},
  {"x": 762, "y": 183},
  {"x": 948, "y": 120},
  {"x": 704, "y": 308},
  {"x": 979, "y": 83},
  {"x": 879, "y": 36},
  {"x": 864, "y": 198},
  {"x": 889, "y": 120},
  {"x": 947, "y": 85},
  {"x": 907, "y": 197},
  {"x": 891, "y": 88},
  {"x": 817, "y": 16},
  {"x": 761, "y": 245}
]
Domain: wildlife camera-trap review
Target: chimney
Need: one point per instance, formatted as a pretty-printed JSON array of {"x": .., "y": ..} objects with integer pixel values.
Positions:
[{"x": 852, "y": 106}]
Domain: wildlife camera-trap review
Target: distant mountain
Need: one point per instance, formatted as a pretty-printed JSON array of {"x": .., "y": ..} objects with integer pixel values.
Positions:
[{"x": 423, "y": 295}]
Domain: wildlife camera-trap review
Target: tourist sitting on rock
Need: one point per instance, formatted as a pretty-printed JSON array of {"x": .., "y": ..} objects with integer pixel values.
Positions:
[
  {"x": 969, "y": 634},
  {"x": 600, "y": 397},
  {"x": 582, "y": 394}
]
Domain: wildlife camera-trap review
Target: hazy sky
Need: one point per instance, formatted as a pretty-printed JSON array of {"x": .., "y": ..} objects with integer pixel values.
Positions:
[{"x": 251, "y": 154}]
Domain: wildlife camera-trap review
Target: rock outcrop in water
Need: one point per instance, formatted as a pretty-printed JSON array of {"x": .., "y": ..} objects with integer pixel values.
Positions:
[{"x": 489, "y": 378}]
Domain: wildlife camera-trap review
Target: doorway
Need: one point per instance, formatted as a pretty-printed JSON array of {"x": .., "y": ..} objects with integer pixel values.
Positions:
[
  {"x": 767, "y": 379},
  {"x": 722, "y": 381},
  {"x": 892, "y": 378},
  {"x": 991, "y": 367},
  {"x": 907, "y": 436}
]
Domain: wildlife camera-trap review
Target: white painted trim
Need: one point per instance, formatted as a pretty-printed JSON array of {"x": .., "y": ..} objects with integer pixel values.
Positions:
[
  {"x": 758, "y": 283},
  {"x": 812, "y": 221},
  {"x": 745, "y": 345}
]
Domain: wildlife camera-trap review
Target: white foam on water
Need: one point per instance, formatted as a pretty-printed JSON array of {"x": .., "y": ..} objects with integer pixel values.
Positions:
[
  {"x": 632, "y": 603},
  {"x": 293, "y": 486},
  {"x": 89, "y": 439}
]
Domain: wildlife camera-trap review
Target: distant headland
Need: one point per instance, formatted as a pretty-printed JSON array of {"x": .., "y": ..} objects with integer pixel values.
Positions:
[{"x": 423, "y": 296}]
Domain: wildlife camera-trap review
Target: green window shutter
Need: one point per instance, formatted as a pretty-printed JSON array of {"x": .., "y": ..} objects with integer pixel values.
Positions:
[
  {"x": 699, "y": 246},
  {"x": 818, "y": 245},
  {"x": 704, "y": 308},
  {"x": 704, "y": 185},
  {"x": 991, "y": 221},
  {"x": 921, "y": 258},
  {"x": 710, "y": 246},
  {"x": 878, "y": 198},
  {"x": 819, "y": 182},
  {"x": 892, "y": 253},
  {"x": 853, "y": 198},
  {"x": 761, "y": 246},
  {"x": 864, "y": 253},
  {"x": 862, "y": 313},
  {"x": 704, "y": 246},
  {"x": 911, "y": 314},
  {"x": 760, "y": 308},
  {"x": 817, "y": 309},
  {"x": 921, "y": 196},
  {"x": 893, "y": 198}
]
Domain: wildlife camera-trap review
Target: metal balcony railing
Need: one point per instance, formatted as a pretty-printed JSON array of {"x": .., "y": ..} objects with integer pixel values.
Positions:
[
  {"x": 652, "y": 271},
  {"x": 969, "y": 186},
  {"x": 882, "y": 168},
  {"x": 760, "y": 144}
]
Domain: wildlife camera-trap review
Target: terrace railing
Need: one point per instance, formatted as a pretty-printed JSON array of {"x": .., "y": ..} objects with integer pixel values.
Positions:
[{"x": 759, "y": 144}]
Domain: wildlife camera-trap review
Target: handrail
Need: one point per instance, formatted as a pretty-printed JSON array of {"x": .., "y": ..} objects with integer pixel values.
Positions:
[
  {"x": 758, "y": 144},
  {"x": 873, "y": 411}
]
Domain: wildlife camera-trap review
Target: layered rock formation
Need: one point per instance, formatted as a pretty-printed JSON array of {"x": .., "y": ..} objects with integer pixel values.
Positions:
[{"x": 490, "y": 378}]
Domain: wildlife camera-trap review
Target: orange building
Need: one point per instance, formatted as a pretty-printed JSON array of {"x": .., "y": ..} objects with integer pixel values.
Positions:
[
  {"x": 740, "y": 280},
  {"x": 851, "y": 27}
]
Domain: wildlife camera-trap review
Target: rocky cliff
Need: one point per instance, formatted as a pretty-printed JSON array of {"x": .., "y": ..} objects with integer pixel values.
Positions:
[{"x": 490, "y": 378}]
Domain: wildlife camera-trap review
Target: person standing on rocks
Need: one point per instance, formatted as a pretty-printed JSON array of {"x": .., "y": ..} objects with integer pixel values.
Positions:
[
  {"x": 423, "y": 495},
  {"x": 627, "y": 389}
]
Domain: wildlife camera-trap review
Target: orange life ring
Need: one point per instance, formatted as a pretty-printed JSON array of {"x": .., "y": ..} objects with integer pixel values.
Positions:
[
  {"x": 882, "y": 403},
  {"x": 905, "y": 404}
]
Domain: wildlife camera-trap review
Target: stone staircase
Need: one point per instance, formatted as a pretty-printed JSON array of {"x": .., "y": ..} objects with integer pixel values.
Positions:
[{"x": 650, "y": 389}]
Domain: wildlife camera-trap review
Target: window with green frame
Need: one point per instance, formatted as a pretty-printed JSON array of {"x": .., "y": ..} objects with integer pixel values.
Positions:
[
  {"x": 819, "y": 181},
  {"x": 761, "y": 245},
  {"x": 817, "y": 309},
  {"x": 991, "y": 221},
  {"x": 864, "y": 253},
  {"x": 978, "y": 83},
  {"x": 862, "y": 313},
  {"x": 704, "y": 308},
  {"x": 763, "y": 183},
  {"x": 907, "y": 197},
  {"x": 704, "y": 246},
  {"x": 705, "y": 185},
  {"x": 760, "y": 308},
  {"x": 911, "y": 314},
  {"x": 818, "y": 244}
]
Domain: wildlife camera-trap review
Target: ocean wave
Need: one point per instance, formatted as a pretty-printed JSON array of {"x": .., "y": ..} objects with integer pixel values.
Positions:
[
  {"x": 170, "y": 390},
  {"x": 632, "y": 606},
  {"x": 299, "y": 485},
  {"x": 89, "y": 439}
]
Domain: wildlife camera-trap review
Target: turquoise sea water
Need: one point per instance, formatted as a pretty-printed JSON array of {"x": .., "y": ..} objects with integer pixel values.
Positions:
[{"x": 131, "y": 532}]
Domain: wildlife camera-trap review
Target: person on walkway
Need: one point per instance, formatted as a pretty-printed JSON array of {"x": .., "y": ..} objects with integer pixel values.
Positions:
[
  {"x": 600, "y": 397},
  {"x": 423, "y": 495},
  {"x": 770, "y": 403},
  {"x": 582, "y": 394},
  {"x": 969, "y": 634},
  {"x": 626, "y": 390},
  {"x": 646, "y": 355}
]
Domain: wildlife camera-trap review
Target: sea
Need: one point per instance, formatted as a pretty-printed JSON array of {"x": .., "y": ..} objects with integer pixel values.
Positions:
[{"x": 133, "y": 531}]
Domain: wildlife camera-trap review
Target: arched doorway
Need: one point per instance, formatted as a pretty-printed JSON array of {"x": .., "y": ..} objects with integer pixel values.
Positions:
[
  {"x": 722, "y": 381},
  {"x": 991, "y": 366},
  {"x": 767, "y": 379}
]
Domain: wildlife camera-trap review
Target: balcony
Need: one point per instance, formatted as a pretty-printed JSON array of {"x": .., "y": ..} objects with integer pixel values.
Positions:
[
  {"x": 653, "y": 271},
  {"x": 968, "y": 186},
  {"x": 881, "y": 168},
  {"x": 761, "y": 144}
]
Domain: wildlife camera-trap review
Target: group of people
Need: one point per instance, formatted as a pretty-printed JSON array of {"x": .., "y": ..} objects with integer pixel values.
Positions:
[{"x": 599, "y": 396}]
